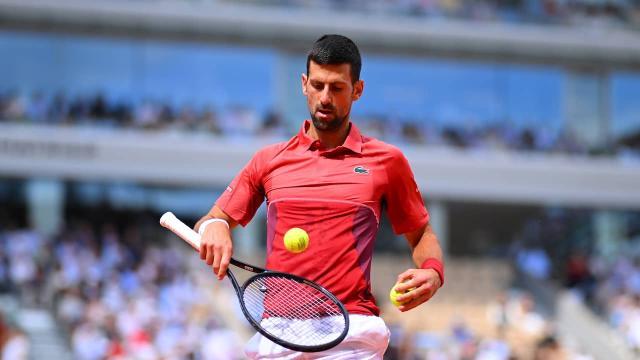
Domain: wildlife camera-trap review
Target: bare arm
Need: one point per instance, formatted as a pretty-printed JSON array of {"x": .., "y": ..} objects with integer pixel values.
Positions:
[
  {"x": 424, "y": 282},
  {"x": 425, "y": 245},
  {"x": 216, "y": 247}
]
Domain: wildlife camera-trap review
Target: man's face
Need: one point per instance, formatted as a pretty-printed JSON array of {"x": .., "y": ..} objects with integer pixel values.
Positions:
[{"x": 330, "y": 92}]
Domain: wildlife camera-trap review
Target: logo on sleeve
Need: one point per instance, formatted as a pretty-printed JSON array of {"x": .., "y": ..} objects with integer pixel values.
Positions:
[{"x": 361, "y": 170}]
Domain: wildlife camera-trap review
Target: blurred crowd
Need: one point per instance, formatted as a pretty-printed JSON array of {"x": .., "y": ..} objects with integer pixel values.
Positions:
[
  {"x": 616, "y": 291},
  {"x": 499, "y": 136},
  {"x": 573, "y": 12},
  {"x": 98, "y": 111},
  {"x": 520, "y": 331},
  {"x": 555, "y": 245},
  {"x": 559, "y": 246},
  {"x": 119, "y": 294},
  {"x": 617, "y": 296},
  {"x": 120, "y": 291},
  {"x": 244, "y": 123}
]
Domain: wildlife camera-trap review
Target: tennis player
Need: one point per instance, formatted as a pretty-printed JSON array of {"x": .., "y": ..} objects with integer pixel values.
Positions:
[{"x": 333, "y": 182}]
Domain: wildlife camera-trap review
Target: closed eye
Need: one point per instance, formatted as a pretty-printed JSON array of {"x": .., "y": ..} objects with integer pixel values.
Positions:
[{"x": 336, "y": 87}]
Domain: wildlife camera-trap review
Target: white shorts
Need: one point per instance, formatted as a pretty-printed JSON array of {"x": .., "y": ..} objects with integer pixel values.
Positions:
[{"x": 368, "y": 338}]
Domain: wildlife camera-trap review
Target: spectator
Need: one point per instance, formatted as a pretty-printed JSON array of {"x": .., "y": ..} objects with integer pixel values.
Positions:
[
  {"x": 13, "y": 343},
  {"x": 578, "y": 274},
  {"x": 549, "y": 349},
  {"x": 534, "y": 262}
]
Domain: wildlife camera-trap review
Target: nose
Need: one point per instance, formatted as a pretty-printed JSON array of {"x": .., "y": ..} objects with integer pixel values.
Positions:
[{"x": 325, "y": 96}]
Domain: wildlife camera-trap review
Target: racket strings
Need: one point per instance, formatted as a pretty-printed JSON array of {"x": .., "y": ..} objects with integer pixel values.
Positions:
[
  {"x": 292, "y": 311},
  {"x": 304, "y": 302},
  {"x": 291, "y": 299}
]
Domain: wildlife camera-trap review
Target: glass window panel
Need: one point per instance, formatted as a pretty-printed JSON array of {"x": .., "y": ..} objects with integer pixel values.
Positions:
[{"x": 625, "y": 104}]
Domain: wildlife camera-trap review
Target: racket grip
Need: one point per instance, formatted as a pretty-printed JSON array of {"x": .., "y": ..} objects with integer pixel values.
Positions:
[{"x": 171, "y": 222}]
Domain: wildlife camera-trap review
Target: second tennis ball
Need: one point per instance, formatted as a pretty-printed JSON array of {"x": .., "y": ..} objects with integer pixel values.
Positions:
[
  {"x": 296, "y": 240},
  {"x": 393, "y": 296}
]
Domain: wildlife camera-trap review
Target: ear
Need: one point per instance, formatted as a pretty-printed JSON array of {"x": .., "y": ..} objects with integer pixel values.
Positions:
[
  {"x": 304, "y": 83},
  {"x": 358, "y": 88}
]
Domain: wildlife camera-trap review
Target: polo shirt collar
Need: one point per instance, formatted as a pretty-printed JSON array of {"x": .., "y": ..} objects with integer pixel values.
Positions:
[{"x": 353, "y": 141}]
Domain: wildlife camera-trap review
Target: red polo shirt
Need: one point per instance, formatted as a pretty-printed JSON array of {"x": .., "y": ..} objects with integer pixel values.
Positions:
[{"x": 336, "y": 196}]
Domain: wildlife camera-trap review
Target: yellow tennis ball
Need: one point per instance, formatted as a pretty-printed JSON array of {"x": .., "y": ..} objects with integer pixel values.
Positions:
[
  {"x": 393, "y": 295},
  {"x": 296, "y": 240}
]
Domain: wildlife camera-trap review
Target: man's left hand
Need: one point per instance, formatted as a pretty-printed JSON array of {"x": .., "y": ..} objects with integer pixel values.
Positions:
[{"x": 423, "y": 284}]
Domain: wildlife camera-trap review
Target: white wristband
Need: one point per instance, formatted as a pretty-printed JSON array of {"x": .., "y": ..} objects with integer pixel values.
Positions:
[{"x": 207, "y": 222}]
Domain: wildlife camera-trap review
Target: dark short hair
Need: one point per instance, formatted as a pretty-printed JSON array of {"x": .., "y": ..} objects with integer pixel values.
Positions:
[{"x": 334, "y": 50}]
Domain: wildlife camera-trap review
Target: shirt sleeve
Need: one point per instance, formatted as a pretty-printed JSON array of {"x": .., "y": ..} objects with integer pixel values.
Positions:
[
  {"x": 242, "y": 198},
  {"x": 404, "y": 204}
]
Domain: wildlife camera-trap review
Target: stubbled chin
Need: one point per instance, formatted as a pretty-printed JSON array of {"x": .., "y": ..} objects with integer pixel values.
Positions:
[
  {"x": 321, "y": 124},
  {"x": 330, "y": 124}
]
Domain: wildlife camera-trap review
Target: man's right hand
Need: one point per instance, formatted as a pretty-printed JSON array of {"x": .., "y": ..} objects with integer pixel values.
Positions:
[{"x": 216, "y": 247}]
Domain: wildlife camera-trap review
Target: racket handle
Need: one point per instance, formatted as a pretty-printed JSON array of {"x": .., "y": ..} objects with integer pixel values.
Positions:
[{"x": 171, "y": 222}]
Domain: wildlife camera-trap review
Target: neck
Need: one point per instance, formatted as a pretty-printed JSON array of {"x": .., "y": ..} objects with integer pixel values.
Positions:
[{"x": 330, "y": 139}]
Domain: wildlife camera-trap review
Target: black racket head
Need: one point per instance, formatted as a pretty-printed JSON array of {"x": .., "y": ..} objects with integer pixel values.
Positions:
[{"x": 294, "y": 312}]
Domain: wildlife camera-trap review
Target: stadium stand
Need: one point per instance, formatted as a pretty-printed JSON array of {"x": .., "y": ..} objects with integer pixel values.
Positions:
[
  {"x": 578, "y": 12},
  {"x": 556, "y": 128},
  {"x": 96, "y": 111}
]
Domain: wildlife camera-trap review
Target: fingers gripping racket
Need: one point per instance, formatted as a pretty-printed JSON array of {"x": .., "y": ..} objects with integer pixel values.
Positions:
[{"x": 289, "y": 310}]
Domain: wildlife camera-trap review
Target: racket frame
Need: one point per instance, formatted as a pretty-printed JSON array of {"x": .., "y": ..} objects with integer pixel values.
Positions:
[
  {"x": 256, "y": 325},
  {"x": 171, "y": 222}
]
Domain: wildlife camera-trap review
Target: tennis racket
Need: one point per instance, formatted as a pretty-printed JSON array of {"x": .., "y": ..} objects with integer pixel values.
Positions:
[{"x": 289, "y": 310}]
